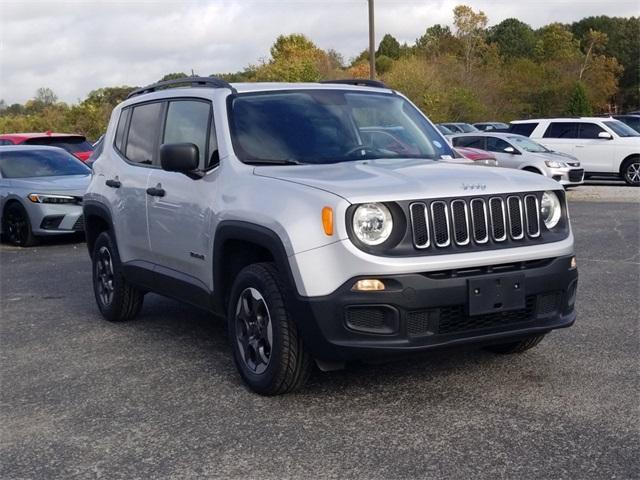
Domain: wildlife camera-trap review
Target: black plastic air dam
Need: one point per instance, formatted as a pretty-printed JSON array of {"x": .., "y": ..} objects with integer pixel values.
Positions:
[{"x": 322, "y": 319}]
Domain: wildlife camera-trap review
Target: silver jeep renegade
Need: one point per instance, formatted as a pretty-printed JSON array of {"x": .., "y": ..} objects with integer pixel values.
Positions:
[{"x": 326, "y": 222}]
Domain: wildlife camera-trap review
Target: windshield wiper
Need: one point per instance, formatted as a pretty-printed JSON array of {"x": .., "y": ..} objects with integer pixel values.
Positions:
[{"x": 272, "y": 161}]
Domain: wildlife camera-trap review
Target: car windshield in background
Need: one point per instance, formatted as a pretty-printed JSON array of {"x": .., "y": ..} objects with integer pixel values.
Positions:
[
  {"x": 466, "y": 128},
  {"x": 70, "y": 144},
  {"x": 40, "y": 163},
  {"x": 528, "y": 145},
  {"x": 621, "y": 129},
  {"x": 328, "y": 126}
]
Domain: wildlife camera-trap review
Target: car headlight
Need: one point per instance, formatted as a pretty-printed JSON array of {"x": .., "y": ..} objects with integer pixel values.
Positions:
[
  {"x": 554, "y": 164},
  {"x": 43, "y": 198},
  {"x": 550, "y": 209},
  {"x": 372, "y": 223}
]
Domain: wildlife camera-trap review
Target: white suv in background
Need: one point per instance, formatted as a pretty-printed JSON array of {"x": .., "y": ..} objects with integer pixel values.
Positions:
[{"x": 604, "y": 146}]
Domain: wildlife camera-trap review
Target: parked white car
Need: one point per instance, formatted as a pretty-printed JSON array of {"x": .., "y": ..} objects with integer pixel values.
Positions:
[
  {"x": 520, "y": 152},
  {"x": 604, "y": 146}
]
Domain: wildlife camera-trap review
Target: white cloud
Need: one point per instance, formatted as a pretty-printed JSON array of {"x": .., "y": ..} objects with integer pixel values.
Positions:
[{"x": 76, "y": 46}]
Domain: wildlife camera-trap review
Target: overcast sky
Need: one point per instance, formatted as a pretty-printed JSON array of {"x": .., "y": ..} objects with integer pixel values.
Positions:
[{"x": 73, "y": 47}]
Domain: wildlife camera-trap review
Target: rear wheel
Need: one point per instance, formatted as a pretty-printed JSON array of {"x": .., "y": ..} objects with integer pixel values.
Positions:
[
  {"x": 631, "y": 171},
  {"x": 116, "y": 298},
  {"x": 17, "y": 226},
  {"x": 516, "y": 347},
  {"x": 267, "y": 347}
]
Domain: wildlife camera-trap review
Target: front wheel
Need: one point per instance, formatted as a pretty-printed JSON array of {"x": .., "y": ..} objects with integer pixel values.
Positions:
[
  {"x": 116, "y": 298},
  {"x": 17, "y": 226},
  {"x": 631, "y": 171},
  {"x": 516, "y": 347},
  {"x": 267, "y": 347}
]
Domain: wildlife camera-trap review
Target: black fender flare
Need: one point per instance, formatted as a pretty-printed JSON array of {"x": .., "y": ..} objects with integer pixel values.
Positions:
[
  {"x": 95, "y": 209},
  {"x": 256, "y": 234}
]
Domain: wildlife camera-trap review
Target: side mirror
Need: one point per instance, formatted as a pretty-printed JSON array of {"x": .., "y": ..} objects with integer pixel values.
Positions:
[
  {"x": 179, "y": 157},
  {"x": 605, "y": 135},
  {"x": 510, "y": 150}
]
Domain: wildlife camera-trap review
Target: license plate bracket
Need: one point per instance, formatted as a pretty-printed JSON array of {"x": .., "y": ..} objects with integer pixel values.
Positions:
[{"x": 496, "y": 293}]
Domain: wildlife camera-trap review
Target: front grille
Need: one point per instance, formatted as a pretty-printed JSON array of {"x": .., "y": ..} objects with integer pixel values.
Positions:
[
  {"x": 474, "y": 221},
  {"x": 576, "y": 175},
  {"x": 79, "y": 225}
]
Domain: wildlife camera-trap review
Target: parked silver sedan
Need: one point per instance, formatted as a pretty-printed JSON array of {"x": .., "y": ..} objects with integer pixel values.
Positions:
[
  {"x": 517, "y": 151},
  {"x": 41, "y": 190}
]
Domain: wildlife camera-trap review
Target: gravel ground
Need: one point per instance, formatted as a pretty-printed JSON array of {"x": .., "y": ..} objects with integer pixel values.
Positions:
[{"x": 159, "y": 397}]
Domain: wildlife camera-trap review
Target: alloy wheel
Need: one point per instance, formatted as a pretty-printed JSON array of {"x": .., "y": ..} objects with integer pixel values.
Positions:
[
  {"x": 104, "y": 276},
  {"x": 633, "y": 173},
  {"x": 17, "y": 227},
  {"x": 254, "y": 330}
]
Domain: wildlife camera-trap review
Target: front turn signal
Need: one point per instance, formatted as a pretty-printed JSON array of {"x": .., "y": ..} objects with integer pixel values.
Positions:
[{"x": 327, "y": 220}]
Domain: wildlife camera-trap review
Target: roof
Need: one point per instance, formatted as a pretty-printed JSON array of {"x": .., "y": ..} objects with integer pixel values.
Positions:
[
  {"x": 499, "y": 134},
  {"x": 560, "y": 119},
  {"x": 13, "y": 148},
  {"x": 271, "y": 86}
]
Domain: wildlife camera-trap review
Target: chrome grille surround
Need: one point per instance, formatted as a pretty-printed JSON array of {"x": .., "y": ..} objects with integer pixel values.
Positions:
[
  {"x": 490, "y": 222},
  {"x": 441, "y": 233}
]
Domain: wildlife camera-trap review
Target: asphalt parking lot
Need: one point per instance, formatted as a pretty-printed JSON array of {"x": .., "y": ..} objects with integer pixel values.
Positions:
[{"x": 159, "y": 397}]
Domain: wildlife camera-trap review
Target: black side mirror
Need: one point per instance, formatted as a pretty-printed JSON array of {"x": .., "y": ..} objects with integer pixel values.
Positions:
[{"x": 179, "y": 157}]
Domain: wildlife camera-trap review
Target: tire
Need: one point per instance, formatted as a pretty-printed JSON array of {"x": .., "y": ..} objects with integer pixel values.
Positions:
[
  {"x": 266, "y": 345},
  {"x": 631, "y": 171},
  {"x": 516, "y": 347},
  {"x": 16, "y": 226},
  {"x": 117, "y": 300}
]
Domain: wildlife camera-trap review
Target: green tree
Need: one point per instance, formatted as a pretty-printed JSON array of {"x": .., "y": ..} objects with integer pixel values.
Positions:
[
  {"x": 556, "y": 42},
  {"x": 173, "y": 76},
  {"x": 514, "y": 38},
  {"x": 438, "y": 40},
  {"x": 578, "y": 105},
  {"x": 389, "y": 47},
  {"x": 470, "y": 30},
  {"x": 294, "y": 58},
  {"x": 45, "y": 96},
  {"x": 383, "y": 64}
]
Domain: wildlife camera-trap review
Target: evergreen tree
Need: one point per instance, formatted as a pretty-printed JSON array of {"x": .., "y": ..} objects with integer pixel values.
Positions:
[{"x": 578, "y": 103}]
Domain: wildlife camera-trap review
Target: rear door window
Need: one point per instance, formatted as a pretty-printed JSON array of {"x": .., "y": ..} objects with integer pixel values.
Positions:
[
  {"x": 142, "y": 139},
  {"x": 121, "y": 130},
  {"x": 525, "y": 129},
  {"x": 562, "y": 130},
  {"x": 590, "y": 130},
  {"x": 473, "y": 142}
]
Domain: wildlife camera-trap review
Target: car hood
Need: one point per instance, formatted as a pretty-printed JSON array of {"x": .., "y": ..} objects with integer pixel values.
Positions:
[
  {"x": 557, "y": 156},
  {"x": 406, "y": 179},
  {"x": 69, "y": 184},
  {"x": 628, "y": 141}
]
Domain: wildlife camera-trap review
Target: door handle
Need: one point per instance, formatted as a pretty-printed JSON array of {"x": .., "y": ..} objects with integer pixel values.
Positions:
[
  {"x": 113, "y": 183},
  {"x": 156, "y": 192}
]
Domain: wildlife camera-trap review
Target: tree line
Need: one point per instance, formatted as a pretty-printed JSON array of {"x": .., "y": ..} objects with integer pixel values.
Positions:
[{"x": 470, "y": 72}]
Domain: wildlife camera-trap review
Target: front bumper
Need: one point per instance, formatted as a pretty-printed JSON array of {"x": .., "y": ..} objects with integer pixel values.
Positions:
[
  {"x": 423, "y": 311},
  {"x": 567, "y": 176},
  {"x": 51, "y": 219}
]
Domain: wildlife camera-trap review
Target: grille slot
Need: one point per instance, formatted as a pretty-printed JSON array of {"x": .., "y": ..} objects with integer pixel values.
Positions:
[
  {"x": 376, "y": 319},
  {"x": 498, "y": 219},
  {"x": 514, "y": 207},
  {"x": 420, "y": 225},
  {"x": 479, "y": 221},
  {"x": 460, "y": 218},
  {"x": 441, "y": 226},
  {"x": 532, "y": 211}
]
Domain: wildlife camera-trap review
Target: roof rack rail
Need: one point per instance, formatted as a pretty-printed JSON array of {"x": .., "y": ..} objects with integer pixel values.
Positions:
[
  {"x": 362, "y": 82},
  {"x": 208, "y": 82}
]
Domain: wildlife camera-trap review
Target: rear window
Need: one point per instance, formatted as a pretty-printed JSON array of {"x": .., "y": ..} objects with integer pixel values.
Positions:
[
  {"x": 562, "y": 130},
  {"x": 70, "y": 144},
  {"x": 525, "y": 129},
  {"x": 40, "y": 163}
]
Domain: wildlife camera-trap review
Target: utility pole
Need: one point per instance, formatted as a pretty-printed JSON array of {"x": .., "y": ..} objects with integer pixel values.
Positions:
[{"x": 372, "y": 43}]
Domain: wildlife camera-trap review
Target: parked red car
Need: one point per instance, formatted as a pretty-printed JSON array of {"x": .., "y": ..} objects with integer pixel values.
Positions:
[
  {"x": 477, "y": 155},
  {"x": 77, "y": 145}
]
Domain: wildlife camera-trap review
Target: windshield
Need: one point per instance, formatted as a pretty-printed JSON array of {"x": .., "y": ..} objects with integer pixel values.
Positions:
[
  {"x": 40, "y": 163},
  {"x": 528, "y": 145},
  {"x": 328, "y": 126},
  {"x": 621, "y": 129}
]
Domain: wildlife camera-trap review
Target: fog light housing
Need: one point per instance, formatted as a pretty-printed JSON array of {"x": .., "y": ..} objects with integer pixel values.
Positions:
[{"x": 368, "y": 285}]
